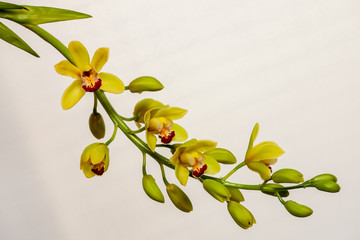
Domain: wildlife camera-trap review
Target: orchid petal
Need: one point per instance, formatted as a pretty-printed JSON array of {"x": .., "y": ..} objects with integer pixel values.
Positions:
[
  {"x": 85, "y": 156},
  {"x": 87, "y": 171},
  {"x": 151, "y": 140},
  {"x": 67, "y": 69},
  {"x": 111, "y": 83},
  {"x": 180, "y": 133},
  {"x": 181, "y": 173},
  {"x": 203, "y": 146},
  {"x": 264, "y": 151},
  {"x": 213, "y": 166},
  {"x": 72, "y": 95},
  {"x": 79, "y": 54},
  {"x": 106, "y": 161},
  {"x": 172, "y": 113},
  {"x": 98, "y": 154},
  {"x": 261, "y": 168},
  {"x": 100, "y": 58},
  {"x": 253, "y": 136}
]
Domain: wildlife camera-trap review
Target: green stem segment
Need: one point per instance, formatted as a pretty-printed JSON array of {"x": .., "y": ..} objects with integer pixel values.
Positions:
[
  {"x": 163, "y": 175},
  {"x": 52, "y": 40},
  {"x": 113, "y": 136},
  {"x": 144, "y": 164},
  {"x": 240, "y": 165},
  {"x": 95, "y": 105}
]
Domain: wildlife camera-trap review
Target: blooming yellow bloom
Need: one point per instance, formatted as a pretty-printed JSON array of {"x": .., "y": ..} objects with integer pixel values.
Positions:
[
  {"x": 95, "y": 160},
  {"x": 159, "y": 121},
  {"x": 86, "y": 74},
  {"x": 192, "y": 154},
  {"x": 259, "y": 158}
]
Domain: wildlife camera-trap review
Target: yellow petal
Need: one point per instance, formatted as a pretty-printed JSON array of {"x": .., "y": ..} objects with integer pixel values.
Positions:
[
  {"x": 260, "y": 168},
  {"x": 203, "y": 145},
  {"x": 111, "y": 83},
  {"x": 253, "y": 136},
  {"x": 106, "y": 162},
  {"x": 87, "y": 171},
  {"x": 79, "y": 54},
  {"x": 72, "y": 95},
  {"x": 145, "y": 105},
  {"x": 98, "y": 154},
  {"x": 85, "y": 156},
  {"x": 67, "y": 69},
  {"x": 181, "y": 173},
  {"x": 172, "y": 113},
  {"x": 180, "y": 133},
  {"x": 213, "y": 166},
  {"x": 264, "y": 151},
  {"x": 100, "y": 58},
  {"x": 151, "y": 140}
]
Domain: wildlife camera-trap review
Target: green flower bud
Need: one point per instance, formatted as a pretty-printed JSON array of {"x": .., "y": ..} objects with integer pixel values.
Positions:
[
  {"x": 236, "y": 195},
  {"x": 287, "y": 175},
  {"x": 324, "y": 177},
  {"x": 297, "y": 210},
  {"x": 152, "y": 189},
  {"x": 272, "y": 188},
  {"x": 97, "y": 125},
  {"x": 217, "y": 190},
  {"x": 241, "y": 215},
  {"x": 221, "y": 155},
  {"x": 145, "y": 84},
  {"x": 179, "y": 198},
  {"x": 328, "y": 186}
]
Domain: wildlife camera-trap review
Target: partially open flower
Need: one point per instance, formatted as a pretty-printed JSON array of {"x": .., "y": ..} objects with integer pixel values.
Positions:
[
  {"x": 87, "y": 74},
  {"x": 259, "y": 158},
  {"x": 95, "y": 160},
  {"x": 191, "y": 155},
  {"x": 159, "y": 121}
]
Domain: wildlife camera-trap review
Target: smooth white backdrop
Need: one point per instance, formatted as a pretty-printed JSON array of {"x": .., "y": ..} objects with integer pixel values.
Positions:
[{"x": 292, "y": 66}]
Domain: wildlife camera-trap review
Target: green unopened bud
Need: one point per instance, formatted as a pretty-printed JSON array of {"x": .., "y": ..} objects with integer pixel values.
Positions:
[
  {"x": 217, "y": 190},
  {"x": 287, "y": 175},
  {"x": 179, "y": 198},
  {"x": 236, "y": 195},
  {"x": 328, "y": 186},
  {"x": 324, "y": 177},
  {"x": 97, "y": 125},
  {"x": 297, "y": 210},
  {"x": 272, "y": 188},
  {"x": 241, "y": 215},
  {"x": 152, "y": 189},
  {"x": 145, "y": 84},
  {"x": 221, "y": 155}
]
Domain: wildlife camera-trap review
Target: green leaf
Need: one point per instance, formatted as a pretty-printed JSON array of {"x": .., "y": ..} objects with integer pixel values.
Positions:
[
  {"x": 9, "y": 36},
  {"x": 36, "y": 15},
  {"x": 5, "y": 5}
]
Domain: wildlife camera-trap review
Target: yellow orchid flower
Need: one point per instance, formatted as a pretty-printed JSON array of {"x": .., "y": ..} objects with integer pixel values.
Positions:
[
  {"x": 192, "y": 154},
  {"x": 95, "y": 160},
  {"x": 259, "y": 158},
  {"x": 86, "y": 74},
  {"x": 159, "y": 121}
]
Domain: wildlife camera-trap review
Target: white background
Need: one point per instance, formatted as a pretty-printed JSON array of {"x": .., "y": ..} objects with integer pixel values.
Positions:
[{"x": 292, "y": 66}]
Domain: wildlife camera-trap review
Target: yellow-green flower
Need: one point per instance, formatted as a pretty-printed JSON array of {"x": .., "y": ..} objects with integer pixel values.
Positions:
[
  {"x": 86, "y": 74},
  {"x": 159, "y": 121},
  {"x": 95, "y": 160},
  {"x": 191, "y": 154},
  {"x": 259, "y": 158}
]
